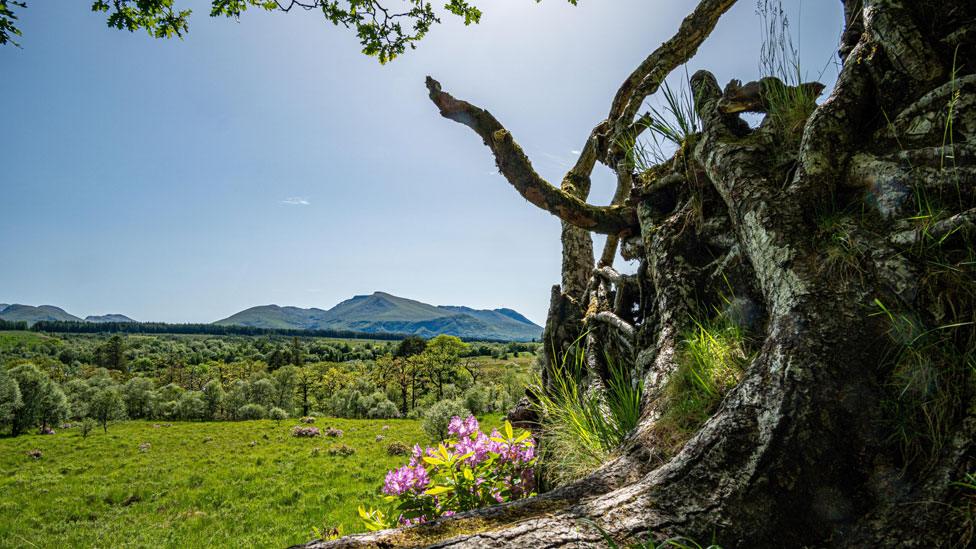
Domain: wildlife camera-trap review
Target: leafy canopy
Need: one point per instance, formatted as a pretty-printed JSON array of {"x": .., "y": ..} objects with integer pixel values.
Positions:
[{"x": 384, "y": 32}]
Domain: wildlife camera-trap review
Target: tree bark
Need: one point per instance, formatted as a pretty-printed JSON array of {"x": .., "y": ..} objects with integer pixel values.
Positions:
[{"x": 849, "y": 251}]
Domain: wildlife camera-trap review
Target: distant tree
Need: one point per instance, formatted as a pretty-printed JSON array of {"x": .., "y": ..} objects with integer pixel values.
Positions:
[
  {"x": 191, "y": 406},
  {"x": 33, "y": 386},
  {"x": 54, "y": 408},
  {"x": 213, "y": 397},
  {"x": 111, "y": 354},
  {"x": 306, "y": 380},
  {"x": 236, "y": 397},
  {"x": 277, "y": 358},
  {"x": 262, "y": 392},
  {"x": 285, "y": 383},
  {"x": 170, "y": 392},
  {"x": 473, "y": 367},
  {"x": 333, "y": 380},
  {"x": 296, "y": 351},
  {"x": 441, "y": 359},
  {"x": 139, "y": 397},
  {"x": 107, "y": 405},
  {"x": 401, "y": 371},
  {"x": 413, "y": 345},
  {"x": 79, "y": 394},
  {"x": 10, "y": 400}
]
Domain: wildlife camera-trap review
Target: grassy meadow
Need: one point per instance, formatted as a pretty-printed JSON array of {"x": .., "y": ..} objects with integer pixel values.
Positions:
[{"x": 198, "y": 484}]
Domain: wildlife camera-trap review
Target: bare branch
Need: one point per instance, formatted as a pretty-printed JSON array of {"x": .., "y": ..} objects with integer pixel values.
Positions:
[
  {"x": 647, "y": 77},
  {"x": 518, "y": 170}
]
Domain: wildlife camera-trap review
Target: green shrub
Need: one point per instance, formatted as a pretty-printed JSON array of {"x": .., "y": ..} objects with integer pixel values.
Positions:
[
  {"x": 10, "y": 400},
  {"x": 191, "y": 406},
  {"x": 383, "y": 409},
  {"x": 107, "y": 405},
  {"x": 87, "y": 425},
  {"x": 477, "y": 399},
  {"x": 438, "y": 416},
  {"x": 341, "y": 450},
  {"x": 277, "y": 414},
  {"x": 397, "y": 448},
  {"x": 252, "y": 411}
]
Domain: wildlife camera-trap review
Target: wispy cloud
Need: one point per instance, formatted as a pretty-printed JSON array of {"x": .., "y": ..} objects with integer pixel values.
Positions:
[
  {"x": 295, "y": 201},
  {"x": 574, "y": 151}
]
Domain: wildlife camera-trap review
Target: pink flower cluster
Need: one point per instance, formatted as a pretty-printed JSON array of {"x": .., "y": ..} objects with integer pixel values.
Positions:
[
  {"x": 406, "y": 479},
  {"x": 300, "y": 431},
  {"x": 470, "y": 470}
]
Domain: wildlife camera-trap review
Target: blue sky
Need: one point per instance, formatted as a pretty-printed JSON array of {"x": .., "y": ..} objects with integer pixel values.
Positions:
[{"x": 269, "y": 161}]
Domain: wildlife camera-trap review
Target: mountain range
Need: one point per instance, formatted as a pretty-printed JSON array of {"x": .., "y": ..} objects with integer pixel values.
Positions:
[
  {"x": 31, "y": 314},
  {"x": 379, "y": 312}
]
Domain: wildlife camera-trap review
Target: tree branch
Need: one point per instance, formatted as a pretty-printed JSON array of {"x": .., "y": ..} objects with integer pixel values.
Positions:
[
  {"x": 518, "y": 170},
  {"x": 647, "y": 77}
]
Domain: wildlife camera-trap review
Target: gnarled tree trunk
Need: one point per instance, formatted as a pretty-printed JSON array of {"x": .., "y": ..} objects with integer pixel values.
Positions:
[{"x": 807, "y": 450}]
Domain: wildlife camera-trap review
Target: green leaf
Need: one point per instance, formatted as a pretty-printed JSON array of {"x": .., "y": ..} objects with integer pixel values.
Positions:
[{"x": 438, "y": 490}]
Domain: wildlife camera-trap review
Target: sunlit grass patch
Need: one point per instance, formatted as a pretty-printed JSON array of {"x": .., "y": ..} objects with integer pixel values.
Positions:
[
  {"x": 221, "y": 484},
  {"x": 711, "y": 360},
  {"x": 584, "y": 421}
]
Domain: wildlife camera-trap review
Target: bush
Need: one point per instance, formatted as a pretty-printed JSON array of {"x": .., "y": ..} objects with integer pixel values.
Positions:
[
  {"x": 384, "y": 409},
  {"x": 252, "y": 411},
  {"x": 262, "y": 392},
  {"x": 333, "y": 432},
  {"x": 41, "y": 401},
  {"x": 362, "y": 401},
  {"x": 87, "y": 425},
  {"x": 139, "y": 397},
  {"x": 213, "y": 396},
  {"x": 397, "y": 449},
  {"x": 341, "y": 450},
  {"x": 168, "y": 409},
  {"x": 477, "y": 399},
  {"x": 307, "y": 419},
  {"x": 107, "y": 405},
  {"x": 439, "y": 415},
  {"x": 305, "y": 432},
  {"x": 191, "y": 406},
  {"x": 470, "y": 470},
  {"x": 277, "y": 414},
  {"x": 10, "y": 399}
]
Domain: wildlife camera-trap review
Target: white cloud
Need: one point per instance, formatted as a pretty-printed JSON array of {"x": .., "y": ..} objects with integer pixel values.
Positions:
[
  {"x": 295, "y": 201},
  {"x": 574, "y": 151}
]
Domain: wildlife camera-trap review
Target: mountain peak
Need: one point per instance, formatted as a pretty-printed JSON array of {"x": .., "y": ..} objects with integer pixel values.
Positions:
[{"x": 383, "y": 312}]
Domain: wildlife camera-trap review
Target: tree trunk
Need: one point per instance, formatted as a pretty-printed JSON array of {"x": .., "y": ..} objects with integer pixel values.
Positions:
[{"x": 848, "y": 247}]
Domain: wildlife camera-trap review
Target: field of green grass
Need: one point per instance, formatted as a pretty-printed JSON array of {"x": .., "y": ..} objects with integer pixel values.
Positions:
[{"x": 241, "y": 484}]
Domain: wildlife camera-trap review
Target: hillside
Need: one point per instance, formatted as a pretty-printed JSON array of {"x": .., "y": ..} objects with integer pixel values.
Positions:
[
  {"x": 108, "y": 318},
  {"x": 381, "y": 312},
  {"x": 31, "y": 314}
]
